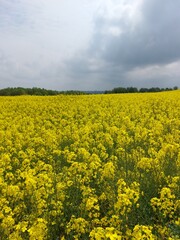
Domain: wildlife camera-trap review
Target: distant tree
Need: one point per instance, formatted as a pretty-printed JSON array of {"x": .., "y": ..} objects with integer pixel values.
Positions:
[
  {"x": 119, "y": 90},
  {"x": 132, "y": 90},
  {"x": 107, "y": 92},
  {"x": 175, "y": 88},
  {"x": 168, "y": 89},
  {"x": 18, "y": 91},
  {"x": 35, "y": 91},
  {"x": 143, "y": 90}
]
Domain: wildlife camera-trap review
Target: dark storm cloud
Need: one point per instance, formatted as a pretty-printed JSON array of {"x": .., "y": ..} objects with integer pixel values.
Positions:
[
  {"x": 120, "y": 46},
  {"x": 156, "y": 39}
]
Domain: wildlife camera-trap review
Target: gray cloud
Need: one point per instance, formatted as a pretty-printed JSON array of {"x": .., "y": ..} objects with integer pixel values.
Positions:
[
  {"x": 156, "y": 39},
  {"x": 36, "y": 37},
  {"x": 89, "y": 44},
  {"x": 124, "y": 49}
]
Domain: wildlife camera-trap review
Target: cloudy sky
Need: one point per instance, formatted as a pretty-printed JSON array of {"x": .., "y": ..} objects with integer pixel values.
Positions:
[{"x": 89, "y": 45}]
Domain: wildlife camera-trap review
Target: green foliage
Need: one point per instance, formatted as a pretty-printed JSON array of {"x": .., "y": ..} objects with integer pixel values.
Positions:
[
  {"x": 17, "y": 91},
  {"x": 141, "y": 90}
]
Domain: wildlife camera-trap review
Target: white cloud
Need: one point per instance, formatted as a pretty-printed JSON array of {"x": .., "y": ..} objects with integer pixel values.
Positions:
[{"x": 115, "y": 31}]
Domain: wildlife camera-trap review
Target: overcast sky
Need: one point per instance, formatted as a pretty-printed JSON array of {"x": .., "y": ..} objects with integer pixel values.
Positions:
[{"x": 89, "y": 45}]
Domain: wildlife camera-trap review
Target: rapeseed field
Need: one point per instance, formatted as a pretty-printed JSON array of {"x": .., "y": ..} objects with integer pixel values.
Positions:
[{"x": 90, "y": 167}]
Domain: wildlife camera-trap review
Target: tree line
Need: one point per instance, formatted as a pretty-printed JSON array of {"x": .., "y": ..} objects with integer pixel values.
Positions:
[
  {"x": 136, "y": 90},
  {"x": 17, "y": 91}
]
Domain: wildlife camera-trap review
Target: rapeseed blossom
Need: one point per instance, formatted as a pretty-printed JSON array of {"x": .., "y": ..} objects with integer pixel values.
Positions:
[{"x": 90, "y": 167}]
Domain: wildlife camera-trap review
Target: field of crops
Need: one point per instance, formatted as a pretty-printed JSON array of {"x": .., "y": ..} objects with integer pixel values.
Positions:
[{"x": 90, "y": 167}]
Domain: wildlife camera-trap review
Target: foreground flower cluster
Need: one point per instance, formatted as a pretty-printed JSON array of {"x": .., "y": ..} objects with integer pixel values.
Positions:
[{"x": 90, "y": 167}]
